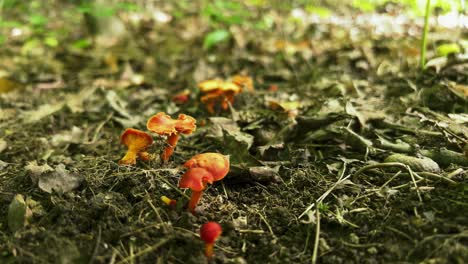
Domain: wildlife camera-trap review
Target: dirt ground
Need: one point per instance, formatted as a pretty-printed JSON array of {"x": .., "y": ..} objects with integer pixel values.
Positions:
[{"x": 344, "y": 151}]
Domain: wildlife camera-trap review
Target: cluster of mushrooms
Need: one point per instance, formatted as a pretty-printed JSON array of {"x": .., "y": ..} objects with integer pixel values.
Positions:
[
  {"x": 202, "y": 169},
  {"x": 218, "y": 92}
]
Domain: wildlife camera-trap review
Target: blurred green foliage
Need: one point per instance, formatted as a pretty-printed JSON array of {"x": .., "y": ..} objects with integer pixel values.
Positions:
[
  {"x": 416, "y": 7},
  {"x": 39, "y": 17}
]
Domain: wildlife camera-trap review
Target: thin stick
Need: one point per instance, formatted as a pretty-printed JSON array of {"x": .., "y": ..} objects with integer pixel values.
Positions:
[
  {"x": 96, "y": 247},
  {"x": 325, "y": 194},
  {"x": 145, "y": 251},
  {"x": 317, "y": 236},
  {"x": 414, "y": 182}
]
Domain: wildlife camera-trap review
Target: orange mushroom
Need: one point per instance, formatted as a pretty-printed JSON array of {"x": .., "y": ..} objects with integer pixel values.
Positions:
[
  {"x": 137, "y": 142},
  {"x": 217, "y": 164},
  {"x": 218, "y": 91},
  {"x": 163, "y": 125},
  {"x": 243, "y": 81},
  {"x": 195, "y": 179},
  {"x": 203, "y": 169},
  {"x": 209, "y": 233}
]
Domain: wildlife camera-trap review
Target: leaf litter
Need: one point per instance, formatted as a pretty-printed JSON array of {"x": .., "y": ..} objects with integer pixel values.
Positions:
[{"x": 352, "y": 142}]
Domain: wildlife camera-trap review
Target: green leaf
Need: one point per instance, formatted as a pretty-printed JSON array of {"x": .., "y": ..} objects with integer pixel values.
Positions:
[
  {"x": 215, "y": 37},
  {"x": 51, "y": 42},
  {"x": 38, "y": 20},
  {"x": 82, "y": 43},
  {"x": 446, "y": 49},
  {"x": 319, "y": 11}
]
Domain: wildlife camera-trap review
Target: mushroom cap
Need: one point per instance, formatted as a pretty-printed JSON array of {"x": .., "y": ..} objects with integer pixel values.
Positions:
[
  {"x": 217, "y": 164},
  {"x": 210, "y": 85},
  {"x": 231, "y": 87},
  {"x": 209, "y": 232},
  {"x": 196, "y": 179},
  {"x": 135, "y": 139},
  {"x": 185, "y": 124},
  {"x": 243, "y": 81},
  {"x": 163, "y": 124},
  {"x": 219, "y": 87}
]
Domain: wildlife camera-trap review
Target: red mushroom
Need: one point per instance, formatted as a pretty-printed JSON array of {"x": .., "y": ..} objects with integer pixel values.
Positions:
[
  {"x": 164, "y": 125},
  {"x": 217, "y": 164},
  {"x": 203, "y": 169},
  {"x": 137, "y": 142},
  {"x": 195, "y": 179},
  {"x": 209, "y": 233}
]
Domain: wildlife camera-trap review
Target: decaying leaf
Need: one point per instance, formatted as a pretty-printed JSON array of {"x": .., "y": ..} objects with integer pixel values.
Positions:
[
  {"x": 218, "y": 124},
  {"x": 43, "y": 111},
  {"x": 74, "y": 136},
  {"x": 264, "y": 173},
  {"x": 18, "y": 213},
  {"x": 119, "y": 105},
  {"x": 416, "y": 164},
  {"x": 7, "y": 113},
  {"x": 3, "y": 164},
  {"x": 7, "y": 85},
  {"x": 37, "y": 170},
  {"x": 3, "y": 145},
  {"x": 75, "y": 101},
  {"x": 61, "y": 180}
]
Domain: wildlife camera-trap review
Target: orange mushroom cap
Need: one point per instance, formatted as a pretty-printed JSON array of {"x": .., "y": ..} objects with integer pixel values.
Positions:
[
  {"x": 243, "y": 81},
  {"x": 137, "y": 142},
  {"x": 163, "y": 124},
  {"x": 209, "y": 232},
  {"x": 217, "y": 164},
  {"x": 196, "y": 179},
  {"x": 185, "y": 124},
  {"x": 210, "y": 85}
]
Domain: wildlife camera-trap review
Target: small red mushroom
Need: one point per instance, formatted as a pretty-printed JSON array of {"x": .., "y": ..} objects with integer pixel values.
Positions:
[
  {"x": 164, "y": 125},
  {"x": 203, "y": 169},
  {"x": 137, "y": 142},
  {"x": 181, "y": 97},
  {"x": 195, "y": 179},
  {"x": 209, "y": 233}
]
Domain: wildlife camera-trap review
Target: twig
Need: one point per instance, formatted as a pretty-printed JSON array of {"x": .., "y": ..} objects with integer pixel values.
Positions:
[
  {"x": 394, "y": 164},
  {"x": 267, "y": 224},
  {"x": 156, "y": 212},
  {"x": 325, "y": 194},
  {"x": 145, "y": 251},
  {"x": 317, "y": 236},
  {"x": 96, "y": 247}
]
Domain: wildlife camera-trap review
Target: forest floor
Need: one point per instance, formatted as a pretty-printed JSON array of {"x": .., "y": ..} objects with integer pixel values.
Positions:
[{"x": 343, "y": 149}]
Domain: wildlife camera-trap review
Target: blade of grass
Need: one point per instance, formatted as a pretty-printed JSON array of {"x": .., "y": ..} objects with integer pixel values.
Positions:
[{"x": 424, "y": 36}]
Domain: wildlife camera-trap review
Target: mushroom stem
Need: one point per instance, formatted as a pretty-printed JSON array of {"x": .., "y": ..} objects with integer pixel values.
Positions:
[
  {"x": 129, "y": 158},
  {"x": 172, "y": 142},
  {"x": 209, "y": 250},
  {"x": 196, "y": 195}
]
